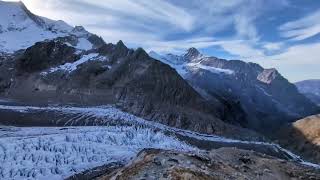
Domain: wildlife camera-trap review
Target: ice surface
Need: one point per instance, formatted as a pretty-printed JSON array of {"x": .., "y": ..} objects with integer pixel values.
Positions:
[{"x": 39, "y": 153}]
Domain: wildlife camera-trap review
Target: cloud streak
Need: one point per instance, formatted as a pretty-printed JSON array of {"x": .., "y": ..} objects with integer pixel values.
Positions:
[{"x": 303, "y": 28}]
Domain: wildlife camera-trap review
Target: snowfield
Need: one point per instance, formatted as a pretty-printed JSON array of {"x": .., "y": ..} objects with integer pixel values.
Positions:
[{"x": 57, "y": 153}]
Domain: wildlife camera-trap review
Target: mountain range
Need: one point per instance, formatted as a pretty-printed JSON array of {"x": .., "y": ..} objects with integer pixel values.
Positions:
[
  {"x": 267, "y": 98},
  {"x": 53, "y": 74},
  {"x": 311, "y": 89}
]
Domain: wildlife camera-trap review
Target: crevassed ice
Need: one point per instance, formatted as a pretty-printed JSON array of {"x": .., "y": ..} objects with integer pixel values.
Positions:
[{"x": 39, "y": 153}]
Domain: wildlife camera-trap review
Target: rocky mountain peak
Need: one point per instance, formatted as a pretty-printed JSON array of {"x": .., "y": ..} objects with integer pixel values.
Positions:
[
  {"x": 120, "y": 44},
  {"x": 192, "y": 53},
  {"x": 79, "y": 31},
  {"x": 268, "y": 75}
]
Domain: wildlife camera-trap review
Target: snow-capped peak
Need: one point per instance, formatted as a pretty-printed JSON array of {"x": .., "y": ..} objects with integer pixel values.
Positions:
[
  {"x": 16, "y": 17},
  {"x": 191, "y": 61},
  {"x": 80, "y": 31},
  {"x": 20, "y": 28}
]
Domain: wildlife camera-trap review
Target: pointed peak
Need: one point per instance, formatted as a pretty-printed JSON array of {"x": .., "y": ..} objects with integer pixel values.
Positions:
[
  {"x": 121, "y": 46},
  {"x": 120, "y": 43},
  {"x": 79, "y": 31},
  {"x": 193, "y": 50},
  {"x": 192, "y": 53}
]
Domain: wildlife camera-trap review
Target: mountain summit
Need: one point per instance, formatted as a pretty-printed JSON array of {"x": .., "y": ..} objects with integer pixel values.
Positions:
[{"x": 192, "y": 53}]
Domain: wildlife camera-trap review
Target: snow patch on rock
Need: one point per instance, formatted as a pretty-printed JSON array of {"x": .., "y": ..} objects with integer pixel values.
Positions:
[
  {"x": 84, "y": 44},
  {"x": 69, "y": 67},
  {"x": 210, "y": 69}
]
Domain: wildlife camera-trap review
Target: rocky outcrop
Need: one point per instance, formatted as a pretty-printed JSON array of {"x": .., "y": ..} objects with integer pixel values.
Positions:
[
  {"x": 303, "y": 137},
  {"x": 224, "y": 163},
  {"x": 44, "y": 55}
]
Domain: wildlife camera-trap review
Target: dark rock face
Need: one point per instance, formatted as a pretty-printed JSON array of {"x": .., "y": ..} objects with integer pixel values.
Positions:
[
  {"x": 267, "y": 98},
  {"x": 44, "y": 55},
  {"x": 7, "y": 72},
  {"x": 224, "y": 163},
  {"x": 114, "y": 74},
  {"x": 311, "y": 89}
]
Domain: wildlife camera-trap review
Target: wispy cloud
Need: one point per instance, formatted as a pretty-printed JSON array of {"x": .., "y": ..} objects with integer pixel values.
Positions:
[
  {"x": 297, "y": 62},
  {"x": 272, "y": 46},
  {"x": 303, "y": 28},
  {"x": 299, "y": 54}
]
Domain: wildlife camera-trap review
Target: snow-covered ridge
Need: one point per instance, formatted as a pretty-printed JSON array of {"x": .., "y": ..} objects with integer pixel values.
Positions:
[{"x": 183, "y": 65}]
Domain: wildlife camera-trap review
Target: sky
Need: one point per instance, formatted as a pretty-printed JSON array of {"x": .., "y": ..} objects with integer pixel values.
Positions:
[{"x": 282, "y": 34}]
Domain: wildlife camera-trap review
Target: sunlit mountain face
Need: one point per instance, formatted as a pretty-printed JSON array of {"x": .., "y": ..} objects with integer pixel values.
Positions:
[{"x": 159, "y": 89}]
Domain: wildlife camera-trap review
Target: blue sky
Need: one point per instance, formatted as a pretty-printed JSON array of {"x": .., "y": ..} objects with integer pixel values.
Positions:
[{"x": 284, "y": 34}]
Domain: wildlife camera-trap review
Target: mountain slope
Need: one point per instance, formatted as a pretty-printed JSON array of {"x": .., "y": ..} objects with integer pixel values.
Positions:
[
  {"x": 303, "y": 136},
  {"x": 311, "y": 89},
  {"x": 268, "y": 99}
]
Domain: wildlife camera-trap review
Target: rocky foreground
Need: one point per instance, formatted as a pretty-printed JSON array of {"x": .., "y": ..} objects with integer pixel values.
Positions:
[
  {"x": 223, "y": 163},
  {"x": 303, "y": 137}
]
